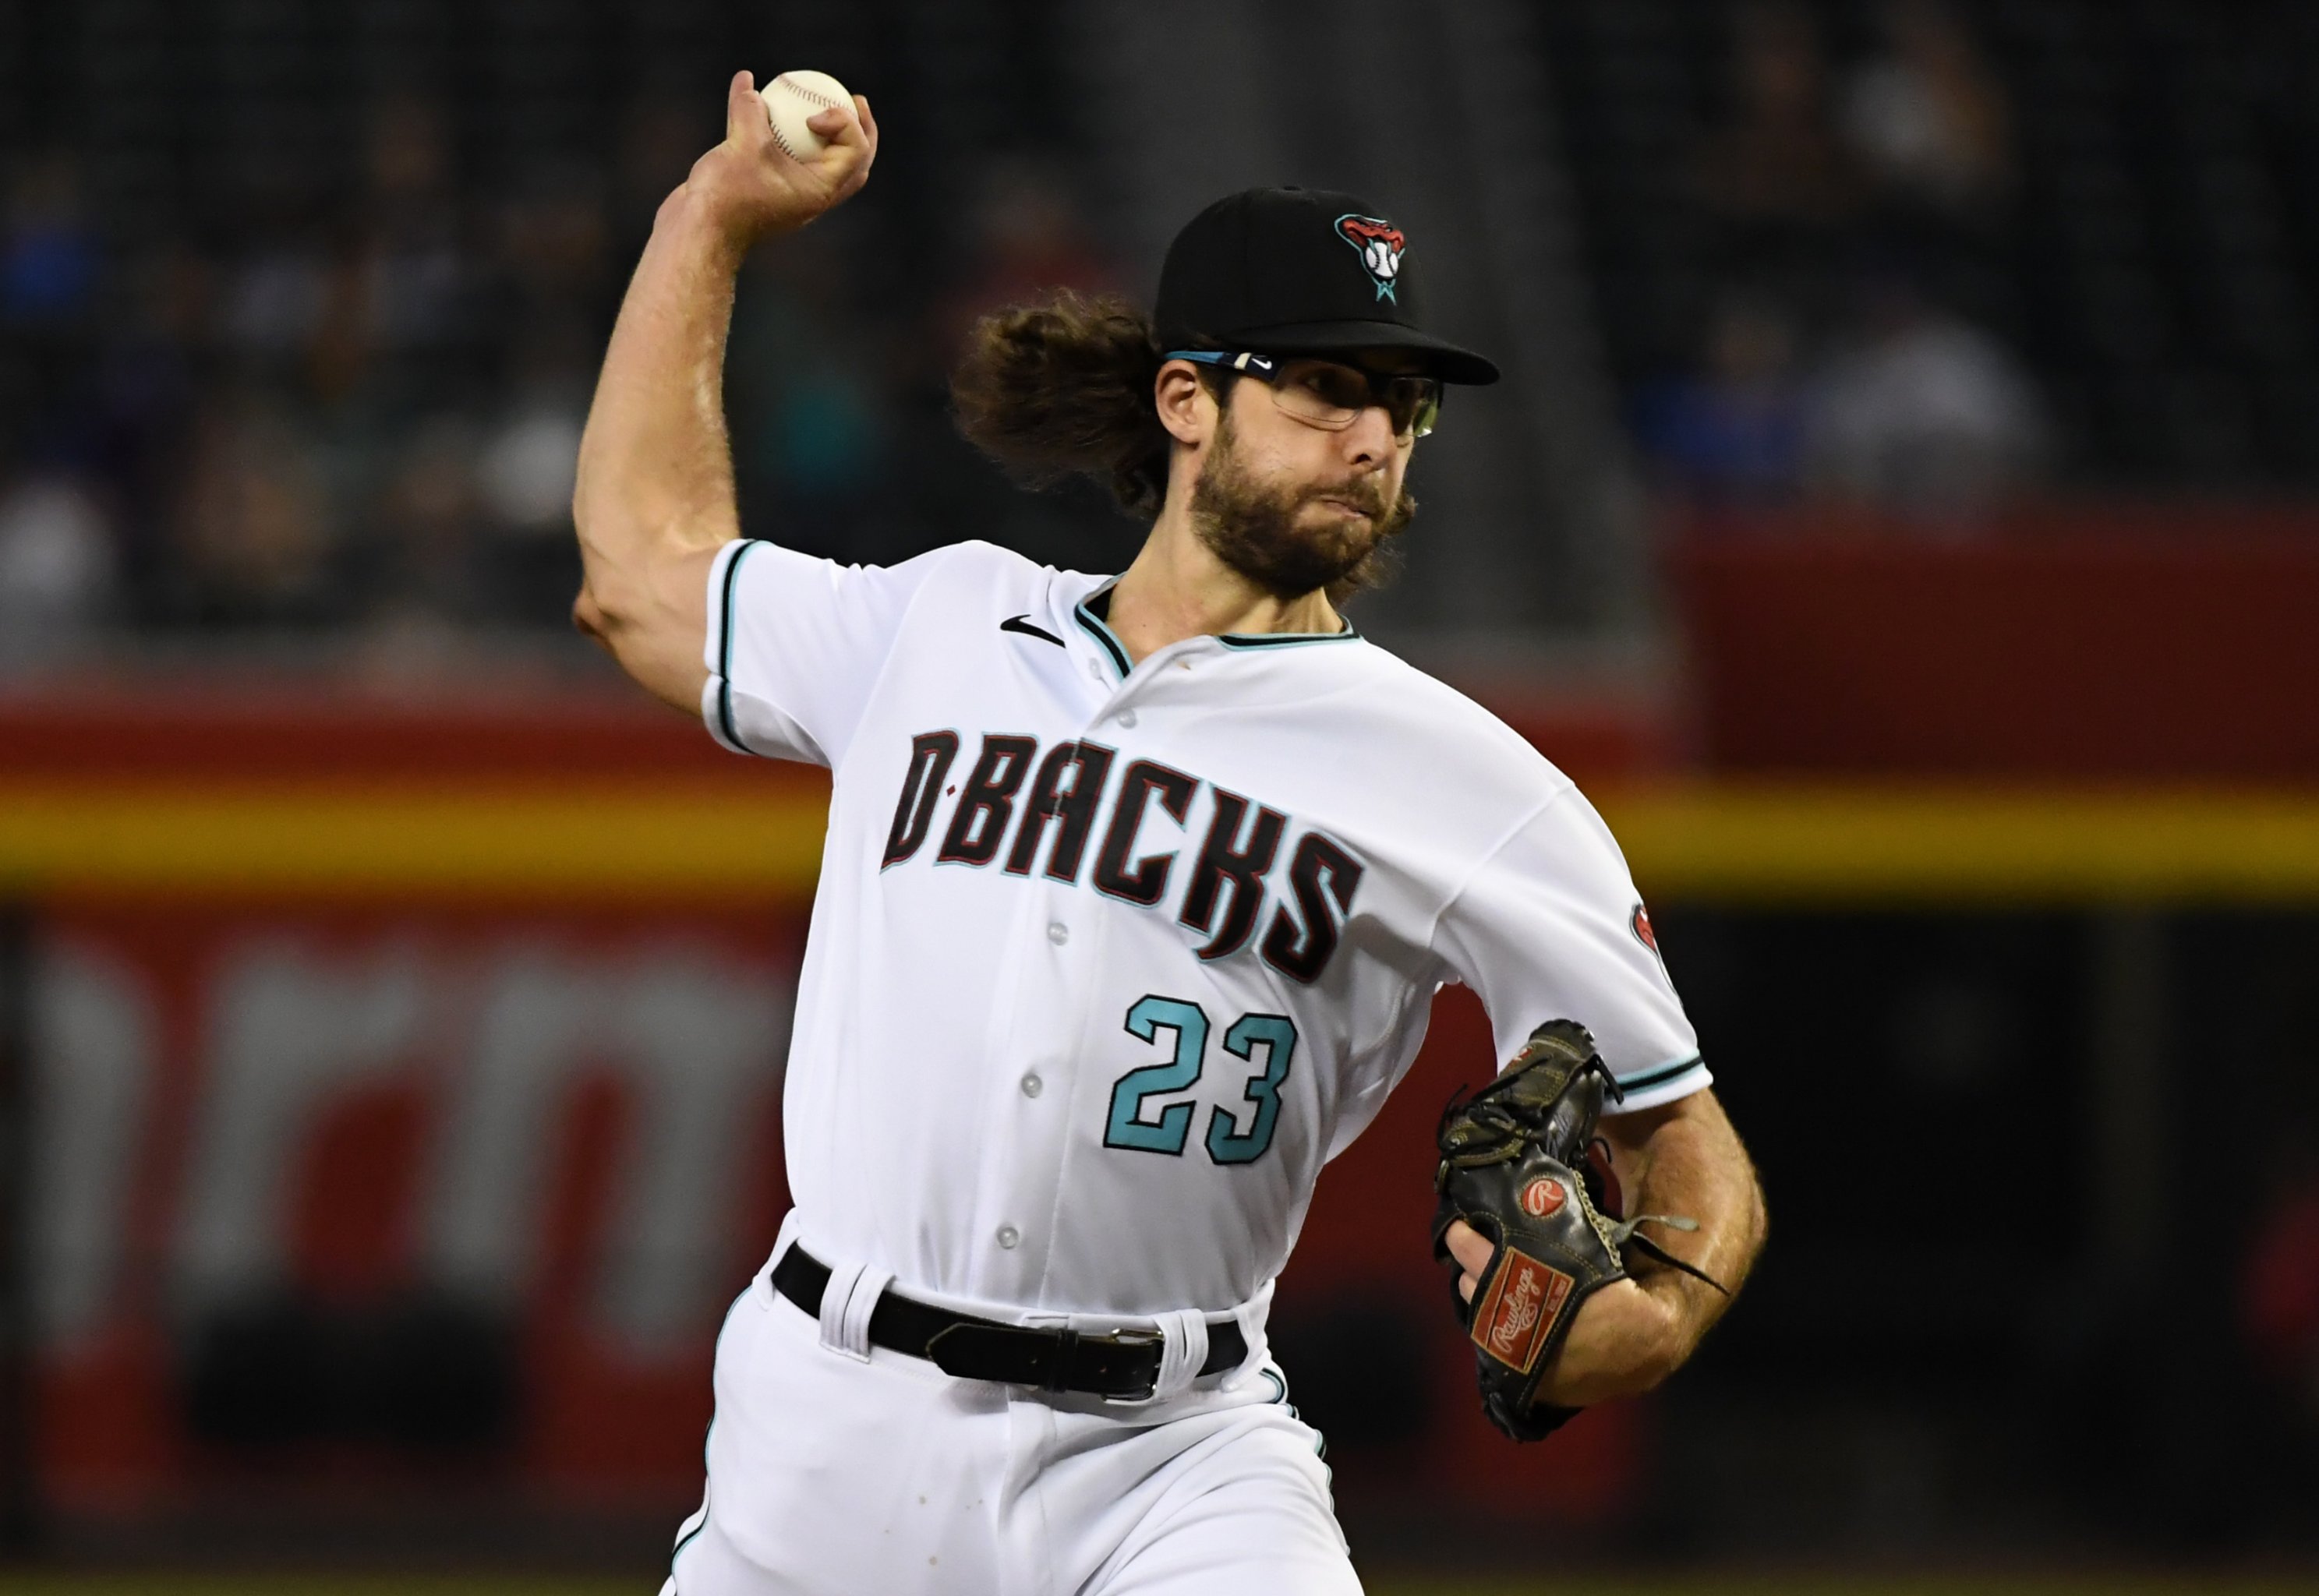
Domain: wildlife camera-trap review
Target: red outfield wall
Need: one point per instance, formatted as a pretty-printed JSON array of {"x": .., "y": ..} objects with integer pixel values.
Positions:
[
  {"x": 2086, "y": 643},
  {"x": 403, "y": 1192}
]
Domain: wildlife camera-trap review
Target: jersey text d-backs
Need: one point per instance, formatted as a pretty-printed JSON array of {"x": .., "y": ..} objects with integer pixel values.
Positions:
[
  {"x": 1105, "y": 962},
  {"x": 1223, "y": 887}
]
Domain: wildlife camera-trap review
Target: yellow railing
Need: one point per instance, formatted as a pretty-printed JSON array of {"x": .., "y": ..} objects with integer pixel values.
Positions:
[
  {"x": 532, "y": 841},
  {"x": 1772, "y": 843},
  {"x": 1710, "y": 842}
]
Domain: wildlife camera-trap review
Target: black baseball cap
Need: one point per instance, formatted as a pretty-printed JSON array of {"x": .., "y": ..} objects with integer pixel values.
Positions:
[{"x": 1300, "y": 271}]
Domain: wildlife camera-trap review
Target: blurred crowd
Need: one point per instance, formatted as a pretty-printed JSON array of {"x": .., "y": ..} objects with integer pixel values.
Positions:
[
  {"x": 352, "y": 409},
  {"x": 357, "y": 408},
  {"x": 357, "y": 413},
  {"x": 1853, "y": 212}
]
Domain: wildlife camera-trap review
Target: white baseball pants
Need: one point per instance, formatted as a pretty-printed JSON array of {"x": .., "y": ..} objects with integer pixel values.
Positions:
[{"x": 830, "y": 1475}]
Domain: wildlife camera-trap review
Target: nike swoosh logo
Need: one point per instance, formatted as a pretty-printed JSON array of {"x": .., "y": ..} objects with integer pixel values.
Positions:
[{"x": 1021, "y": 623}]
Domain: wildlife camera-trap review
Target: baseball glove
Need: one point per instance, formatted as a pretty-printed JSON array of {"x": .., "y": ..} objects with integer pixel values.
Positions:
[{"x": 1516, "y": 1166}]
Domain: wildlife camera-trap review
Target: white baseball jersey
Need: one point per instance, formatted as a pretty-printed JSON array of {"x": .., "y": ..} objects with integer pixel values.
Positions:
[{"x": 1107, "y": 961}]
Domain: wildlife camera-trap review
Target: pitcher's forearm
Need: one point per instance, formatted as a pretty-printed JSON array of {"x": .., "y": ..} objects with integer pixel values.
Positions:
[
  {"x": 655, "y": 473},
  {"x": 1692, "y": 1164},
  {"x": 654, "y": 498}
]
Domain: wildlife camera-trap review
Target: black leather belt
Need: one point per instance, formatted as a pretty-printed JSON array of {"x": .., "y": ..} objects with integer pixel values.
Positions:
[{"x": 1123, "y": 1364}]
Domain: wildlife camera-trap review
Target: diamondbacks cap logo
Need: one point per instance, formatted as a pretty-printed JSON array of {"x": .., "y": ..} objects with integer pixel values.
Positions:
[
  {"x": 1380, "y": 245},
  {"x": 1543, "y": 1196},
  {"x": 1512, "y": 1321}
]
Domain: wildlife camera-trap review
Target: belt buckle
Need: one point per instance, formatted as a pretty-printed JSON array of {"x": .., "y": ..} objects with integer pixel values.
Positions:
[{"x": 1134, "y": 1338}]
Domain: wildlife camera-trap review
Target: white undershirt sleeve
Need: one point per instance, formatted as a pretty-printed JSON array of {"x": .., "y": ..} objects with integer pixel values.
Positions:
[
  {"x": 795, "y": 644},
  {"x": 1550, "y": 926}
]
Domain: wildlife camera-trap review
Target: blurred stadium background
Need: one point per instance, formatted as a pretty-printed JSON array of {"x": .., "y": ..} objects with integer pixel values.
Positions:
[{"x": 1903, "y": 517}]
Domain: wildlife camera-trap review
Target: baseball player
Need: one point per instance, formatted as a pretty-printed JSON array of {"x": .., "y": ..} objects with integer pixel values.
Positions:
[{"x": 1136, "y": 895}]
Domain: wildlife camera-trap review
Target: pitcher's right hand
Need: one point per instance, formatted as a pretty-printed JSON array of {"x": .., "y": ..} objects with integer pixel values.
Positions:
[{"x": 751, "y": 186}]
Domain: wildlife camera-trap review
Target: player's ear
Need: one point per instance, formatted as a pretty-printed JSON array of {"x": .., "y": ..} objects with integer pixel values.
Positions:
[{"x": 1185, "y": 407}]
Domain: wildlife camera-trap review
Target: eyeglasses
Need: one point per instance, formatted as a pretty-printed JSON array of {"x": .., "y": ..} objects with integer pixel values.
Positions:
[{"x": 1325, "y": 394}]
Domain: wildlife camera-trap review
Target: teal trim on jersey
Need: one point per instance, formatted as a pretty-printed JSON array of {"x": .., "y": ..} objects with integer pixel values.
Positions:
[
  {"x": 1227, "y": 1143},
  {"x": 687, "y": 1533},
  {"x": 1102, "y": 635},
  {"x": 689, "y": 1529},
  {"x": 1280, "y": 1400},
  {"x": 1660, "y": 1077},
  {"x": 1127, "y": 1127},
  {"x": 1100, "y": 630},
  {"x": 1285, "y": 639},
  {"x": 725, "y": 647}
]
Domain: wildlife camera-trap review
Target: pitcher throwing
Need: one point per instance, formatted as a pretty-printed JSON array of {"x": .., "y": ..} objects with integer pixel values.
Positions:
[{"x": 1136, "y": 896}]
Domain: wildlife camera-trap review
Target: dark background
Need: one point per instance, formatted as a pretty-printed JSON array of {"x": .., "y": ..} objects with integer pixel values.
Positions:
[{"x": 1903, "y": 399}]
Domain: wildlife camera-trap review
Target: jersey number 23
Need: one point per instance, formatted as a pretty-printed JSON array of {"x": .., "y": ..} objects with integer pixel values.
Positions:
[{"x": 1230, "y": 1140}]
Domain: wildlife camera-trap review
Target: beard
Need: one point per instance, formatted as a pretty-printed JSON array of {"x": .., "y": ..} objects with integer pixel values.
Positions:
[{"x": 1254, "y": 529}]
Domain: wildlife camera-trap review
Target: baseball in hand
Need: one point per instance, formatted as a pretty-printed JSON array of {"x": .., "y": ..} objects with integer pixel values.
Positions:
[{"x": 793, "y": 97}]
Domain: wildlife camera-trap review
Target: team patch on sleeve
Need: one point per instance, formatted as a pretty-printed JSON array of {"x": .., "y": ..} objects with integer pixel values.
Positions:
[
  {"x": 1639, "y": 922},
  {"x": 1518, "y": 1312}
]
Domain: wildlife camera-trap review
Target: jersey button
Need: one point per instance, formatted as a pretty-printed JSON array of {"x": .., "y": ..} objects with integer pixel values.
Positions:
[
  {"x": 1058, "y": 932},
  {"x": 1009, "y": 1236},
  {"x": 1127, "y": 718},
  {"x": 1032, "y": 1086}
]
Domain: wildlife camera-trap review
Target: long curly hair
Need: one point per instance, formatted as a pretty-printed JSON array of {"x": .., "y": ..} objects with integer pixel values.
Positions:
[{"x": 1064, "y": 388}]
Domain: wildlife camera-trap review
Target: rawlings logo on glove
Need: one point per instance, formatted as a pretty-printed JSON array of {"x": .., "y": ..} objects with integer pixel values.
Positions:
[
  {"x": 1518, "y": 1313},
  {"x": 1515, "y": 1165}
]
